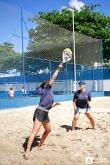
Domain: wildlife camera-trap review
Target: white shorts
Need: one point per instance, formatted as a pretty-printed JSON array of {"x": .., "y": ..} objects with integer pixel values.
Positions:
[{"x": 81, "y": 110}]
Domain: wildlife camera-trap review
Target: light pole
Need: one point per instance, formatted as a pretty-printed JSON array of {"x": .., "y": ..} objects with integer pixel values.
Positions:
[
  {"x": 75, "y": 5},
  {"x": 74, "y": 51}
]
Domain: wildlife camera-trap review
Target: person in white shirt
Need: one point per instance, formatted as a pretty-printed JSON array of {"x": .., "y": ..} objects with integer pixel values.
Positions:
[{"x": 24, "y": 92}]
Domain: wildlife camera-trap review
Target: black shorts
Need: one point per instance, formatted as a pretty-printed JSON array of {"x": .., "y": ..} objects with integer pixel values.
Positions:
[{"x": 41, "y": 116}]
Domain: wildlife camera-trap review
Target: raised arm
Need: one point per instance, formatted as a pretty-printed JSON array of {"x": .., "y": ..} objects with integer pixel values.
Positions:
[{"x": 55, "y": 74}]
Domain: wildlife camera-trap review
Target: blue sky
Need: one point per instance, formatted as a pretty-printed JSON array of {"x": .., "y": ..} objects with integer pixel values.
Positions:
[
  {"x": 10, "y": 14},
  {"x": 35, "y": 6}
]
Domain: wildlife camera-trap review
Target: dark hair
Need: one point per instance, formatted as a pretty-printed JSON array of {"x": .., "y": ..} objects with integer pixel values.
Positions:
[
  {"x": 81, "y": 83},
  {"x": 43, "y": 84}
]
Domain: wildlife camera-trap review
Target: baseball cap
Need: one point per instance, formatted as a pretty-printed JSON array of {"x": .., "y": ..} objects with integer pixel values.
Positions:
[{"x": 81, "y": 83}]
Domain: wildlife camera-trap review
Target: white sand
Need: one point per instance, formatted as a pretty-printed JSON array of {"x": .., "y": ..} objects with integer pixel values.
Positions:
[{"x": 63, "y": 146}]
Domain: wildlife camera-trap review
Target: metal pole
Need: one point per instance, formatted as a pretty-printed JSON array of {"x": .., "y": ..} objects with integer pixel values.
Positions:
[
  {"x": 101, "y": 56},
  {"x": 4, "y": 82},
  {"x": 66, "y": 78},
  {"x": 50, "y": 70},
  {"x": 93, "y": 80},
  {"x": 22, "y": 38},
  {"x": 74, "y": 51}
]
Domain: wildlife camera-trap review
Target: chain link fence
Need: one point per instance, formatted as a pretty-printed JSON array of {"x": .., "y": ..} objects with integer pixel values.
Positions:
[{"x": 31, "y": 49}]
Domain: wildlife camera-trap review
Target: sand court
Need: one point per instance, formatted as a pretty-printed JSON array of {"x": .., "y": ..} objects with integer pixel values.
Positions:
[{"x": 63, "y": 146}]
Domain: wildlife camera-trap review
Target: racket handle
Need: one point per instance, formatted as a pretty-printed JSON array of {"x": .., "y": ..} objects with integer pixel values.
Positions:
[{"x": 60, "y": 67}]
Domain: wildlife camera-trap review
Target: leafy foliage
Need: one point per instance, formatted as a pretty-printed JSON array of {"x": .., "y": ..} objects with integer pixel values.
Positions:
[{"x": 9, "y": 58}]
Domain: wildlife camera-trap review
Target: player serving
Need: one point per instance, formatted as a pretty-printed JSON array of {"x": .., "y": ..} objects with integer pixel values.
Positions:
[{"x": 46, "y": 103}]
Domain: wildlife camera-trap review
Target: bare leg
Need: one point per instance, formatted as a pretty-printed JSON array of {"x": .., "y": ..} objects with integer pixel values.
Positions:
[
  {"x": 74, "y": 122},
  {"x": 35, "y": 130},
  {"x": 39, "y": 127},
  {"x": 90, "y": 117},
  {"x": 47, "y": 127}
]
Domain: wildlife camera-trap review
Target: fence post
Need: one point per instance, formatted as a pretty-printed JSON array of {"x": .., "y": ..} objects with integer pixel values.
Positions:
[
  {"x": 66, "y": 78},
  {"x": 50, "y": 68},
  {"x": 93, "y": 80},
  {"x": 4, "y": 82}
]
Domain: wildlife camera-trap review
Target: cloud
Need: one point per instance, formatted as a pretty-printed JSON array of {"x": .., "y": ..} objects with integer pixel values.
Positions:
[
  {"x": 76, "y": 4},
  {"x": 63, "y": 7}
]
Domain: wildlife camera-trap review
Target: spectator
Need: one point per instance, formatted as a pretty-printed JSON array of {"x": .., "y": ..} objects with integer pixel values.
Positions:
[
  {"x": 24, "y": 92},
  {"x": 11, "y": 93}
]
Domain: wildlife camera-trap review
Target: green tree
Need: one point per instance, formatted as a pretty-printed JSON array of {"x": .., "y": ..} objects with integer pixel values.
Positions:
[{"x": 9, "y": 58}]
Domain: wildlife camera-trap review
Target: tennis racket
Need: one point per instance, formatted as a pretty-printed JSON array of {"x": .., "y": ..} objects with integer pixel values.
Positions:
[{"x": 66, "y": 55}]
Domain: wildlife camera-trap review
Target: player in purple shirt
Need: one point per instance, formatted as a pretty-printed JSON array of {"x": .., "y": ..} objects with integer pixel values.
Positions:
[
  {"x": 41, "y": 113},
  {"x": 81, "y": 103}
]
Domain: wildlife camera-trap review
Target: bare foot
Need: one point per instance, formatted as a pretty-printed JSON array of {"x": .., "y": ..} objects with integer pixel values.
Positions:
[
  {"x": 40, "y": 145},
  {"x": 26, "y": 155},
  {"x": 72, "y": 129}
]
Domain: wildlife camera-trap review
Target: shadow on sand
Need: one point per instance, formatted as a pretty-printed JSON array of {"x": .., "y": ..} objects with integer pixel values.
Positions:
[
  {"x": 34, "y": 144},
  {"x": 69, "y": 128},
  {"x": 88, "y": 128}
]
